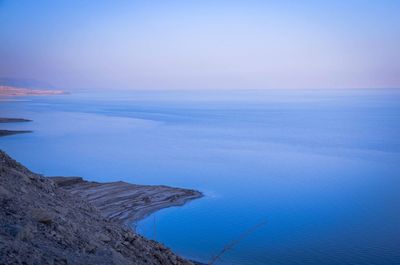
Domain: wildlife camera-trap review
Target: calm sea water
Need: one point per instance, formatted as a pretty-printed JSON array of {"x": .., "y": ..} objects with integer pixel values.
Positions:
[{"x": 321, "y": 167}]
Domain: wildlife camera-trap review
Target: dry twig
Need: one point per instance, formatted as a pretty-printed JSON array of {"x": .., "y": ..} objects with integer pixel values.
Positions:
[{"x": 234, "y": 242}]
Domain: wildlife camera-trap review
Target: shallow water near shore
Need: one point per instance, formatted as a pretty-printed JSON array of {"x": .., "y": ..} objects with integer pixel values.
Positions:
[{"x": 321, "y": 167}]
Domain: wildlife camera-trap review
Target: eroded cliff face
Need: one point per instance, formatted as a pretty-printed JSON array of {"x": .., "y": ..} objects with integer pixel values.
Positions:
[
  {"x": 41, "y": 223},
  {"x": 124, "y": 202}
]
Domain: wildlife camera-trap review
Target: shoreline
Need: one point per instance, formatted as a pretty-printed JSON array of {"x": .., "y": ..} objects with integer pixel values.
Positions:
[
  {"x": 124, "y": 202},
  {"x": 119, "y": 203}
]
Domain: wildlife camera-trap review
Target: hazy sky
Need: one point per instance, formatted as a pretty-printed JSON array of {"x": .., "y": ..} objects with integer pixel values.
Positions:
[{"x": 202, "y": 44}]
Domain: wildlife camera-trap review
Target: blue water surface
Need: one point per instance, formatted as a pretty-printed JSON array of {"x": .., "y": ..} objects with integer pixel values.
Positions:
[{"x": 321, "y": 167}]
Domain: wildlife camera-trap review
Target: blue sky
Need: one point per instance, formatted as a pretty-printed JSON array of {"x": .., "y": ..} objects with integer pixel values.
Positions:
[{"x": 202, "y": 44}]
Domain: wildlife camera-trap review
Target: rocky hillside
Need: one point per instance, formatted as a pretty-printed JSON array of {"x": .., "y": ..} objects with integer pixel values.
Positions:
[{"x": 41, "y": 223}]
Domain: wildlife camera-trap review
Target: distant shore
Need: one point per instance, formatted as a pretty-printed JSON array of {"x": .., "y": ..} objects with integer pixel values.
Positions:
[
  {"x": 12, "y": 132},
  {"x": 10, "y": 91},
  {"x": 5, "y": 120}
]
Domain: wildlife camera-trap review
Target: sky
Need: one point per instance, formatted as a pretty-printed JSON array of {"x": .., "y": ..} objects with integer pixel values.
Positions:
[{"x": 202, "y": 44}]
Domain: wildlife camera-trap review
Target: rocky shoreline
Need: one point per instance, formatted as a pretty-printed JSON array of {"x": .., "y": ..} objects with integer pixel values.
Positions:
[
  {"x": 124, "y": 202},
  {"x": 71, "y": 221}
]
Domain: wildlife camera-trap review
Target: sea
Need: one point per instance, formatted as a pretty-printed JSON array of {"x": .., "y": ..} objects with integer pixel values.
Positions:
[{"x": 289, "y": 177}]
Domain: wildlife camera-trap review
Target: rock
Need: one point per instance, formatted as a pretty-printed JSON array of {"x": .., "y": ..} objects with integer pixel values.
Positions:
[
  {"x": 104, "y": 238},
  {"x": 12, "y": 229},
  {"x": 60, "y": 261},
  {"x": 4, "y": 193},
  {"x": 42, "y": 216},
  {"x": 66, "y": 181},
  {"x": 90, "y": 249}
]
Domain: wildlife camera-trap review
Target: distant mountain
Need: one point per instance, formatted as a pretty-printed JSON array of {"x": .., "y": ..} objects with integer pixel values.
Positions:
[{"x": 25, "y": 83}]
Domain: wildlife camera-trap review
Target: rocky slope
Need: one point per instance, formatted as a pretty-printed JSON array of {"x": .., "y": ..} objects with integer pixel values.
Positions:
[{"x": 41, "y": 223}]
